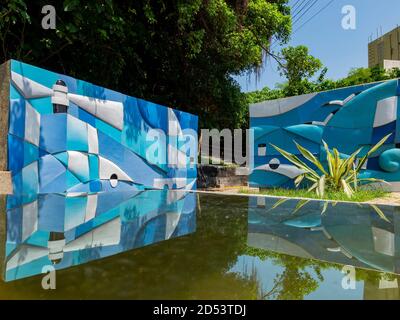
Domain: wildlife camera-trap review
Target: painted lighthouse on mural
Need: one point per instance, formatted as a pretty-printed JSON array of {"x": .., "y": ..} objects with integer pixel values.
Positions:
[{"x": 67, "y": 135}]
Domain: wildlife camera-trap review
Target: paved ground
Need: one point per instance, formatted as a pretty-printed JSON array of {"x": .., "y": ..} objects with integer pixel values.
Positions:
[{"x": 392, "y": 199}]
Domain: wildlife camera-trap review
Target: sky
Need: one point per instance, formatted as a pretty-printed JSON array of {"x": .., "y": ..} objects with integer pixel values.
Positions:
[{"x": 338, "y": 49}]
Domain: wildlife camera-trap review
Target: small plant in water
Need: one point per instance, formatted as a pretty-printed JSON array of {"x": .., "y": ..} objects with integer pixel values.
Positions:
[{"x": 341, "y": 174}]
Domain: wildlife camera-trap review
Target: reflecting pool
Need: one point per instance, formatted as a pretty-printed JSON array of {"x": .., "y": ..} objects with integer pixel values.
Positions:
[
  {"x": 185, "y": 245},
  {"x": 63, "y": 230}
]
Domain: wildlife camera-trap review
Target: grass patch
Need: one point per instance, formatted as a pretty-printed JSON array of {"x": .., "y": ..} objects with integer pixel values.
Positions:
[{"x": 359, "y": 196}]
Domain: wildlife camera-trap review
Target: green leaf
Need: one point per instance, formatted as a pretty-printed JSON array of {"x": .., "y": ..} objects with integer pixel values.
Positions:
[
  {"x": 378, "y": 145},
  {"x": 373, "y": 180},
  {"x": 328, "y": 157},
  {"x": 298, "y": 180},
  {"x": 310, "y": 157},
  {"x": 346, "y": 188},
  {"x": 296, "y": 161},
  {"x": 321, "y": 186},
  {"x": 325, "y": 207},
  {"x": 371, "y": 151},
  {"x": 380, "y": 212},
  {"x": 300, "y": 205},
  {"x": 278, "y": 203},
  {"x": 313, "y": 187}
]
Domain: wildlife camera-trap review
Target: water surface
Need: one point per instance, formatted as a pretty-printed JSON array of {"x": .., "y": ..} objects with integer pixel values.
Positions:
[{"x": 171, "y": 245}]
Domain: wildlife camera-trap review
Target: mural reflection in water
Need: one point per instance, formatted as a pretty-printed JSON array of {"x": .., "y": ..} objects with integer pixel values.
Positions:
[
  {"x": 64, "y": 230},
  {"x": 361, "y": 235}
]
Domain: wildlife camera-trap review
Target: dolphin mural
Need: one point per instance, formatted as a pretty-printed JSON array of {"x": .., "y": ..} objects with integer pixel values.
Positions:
[{"x": 347, "y": 119}]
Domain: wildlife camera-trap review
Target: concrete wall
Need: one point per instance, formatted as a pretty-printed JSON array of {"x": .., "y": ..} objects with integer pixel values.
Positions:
[{"x": 5, "y": 176}]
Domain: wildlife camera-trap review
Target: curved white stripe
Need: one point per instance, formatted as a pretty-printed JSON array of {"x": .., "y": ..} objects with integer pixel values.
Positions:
[
  {"x": 28, "y": 88},
  {"x": 176, "y": 157},
  {"x": 342, "y": 102},
  {"x": 386, "y": 111},
  {"x": 86, "y": 103},
  {"x": 171, "y": 223},
  {"x": 78, "y": 164},
  {"x": 32, "y": 125},
  {"x": 93, "y": 140},
  {"x": 174, "y": 127},
  {"x": 284, "y": 169},
  {"x": 107, "y": 168},
  {"x": 91, "y": 207},
  {"x": 325, "y": 122},
  {"x": 106, "y": 235},
  {"x": 30, "y": 217},
  {"x": 25, "y": 255},
  {"x": 109, "y": 111},
  {"x": 276, "y": 243},
  {"x": 276, "y": 107}
]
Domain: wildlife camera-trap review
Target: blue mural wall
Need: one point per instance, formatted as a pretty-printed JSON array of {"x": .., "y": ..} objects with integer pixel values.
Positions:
[
  {"x": 65, "y": 230},
  {"x": 347, "y": 119},
  {"x": 68, "y": 135}
]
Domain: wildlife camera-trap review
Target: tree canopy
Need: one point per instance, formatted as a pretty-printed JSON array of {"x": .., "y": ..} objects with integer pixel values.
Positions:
[
  {"x": 356, "y": 76},
  {"x": 298, "y": 65},
  {"x": 177, "y": 53}
]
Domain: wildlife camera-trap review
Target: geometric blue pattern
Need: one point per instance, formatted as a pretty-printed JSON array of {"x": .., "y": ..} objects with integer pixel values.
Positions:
[
  {"x": 346, "y": 119},
  {"x": 75, "y": 132},
  {"x": 64, "y": 231},
  {"x": 85, "y": 185}
]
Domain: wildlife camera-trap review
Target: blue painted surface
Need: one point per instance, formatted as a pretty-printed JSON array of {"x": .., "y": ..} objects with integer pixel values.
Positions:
[
  {"x": 346, "y": 119},
  {"x": 119, "y": 135},
  {"x": 65, "y": 230}
]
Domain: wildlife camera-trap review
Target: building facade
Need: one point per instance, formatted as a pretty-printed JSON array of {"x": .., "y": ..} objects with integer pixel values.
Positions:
[{"x": 385, "y": 51}]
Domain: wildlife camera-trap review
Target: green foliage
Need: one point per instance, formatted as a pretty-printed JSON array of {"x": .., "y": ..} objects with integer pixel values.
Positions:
[
  {"x": 177, "y": 53},
  {"x": 299, "y": 277},
  {"x": 264, "y": 94},
  {"x": 341, "y": 174},
  {"x": 356, "y": 76},
  {"x": 298, "y": 65},
  {"x": 359, "y": 196},
  {"x": 367, "y": 75}
]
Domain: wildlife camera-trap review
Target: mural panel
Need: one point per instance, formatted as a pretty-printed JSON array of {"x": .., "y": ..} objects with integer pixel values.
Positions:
[
  {"x": 65, "y": 230},
  {"x": 347, "y": 119},
  {"x": 68, "y": 135}
]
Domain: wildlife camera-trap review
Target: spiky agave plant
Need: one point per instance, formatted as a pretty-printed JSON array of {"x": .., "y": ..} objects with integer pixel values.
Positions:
[{"x": 341, "y": 174}]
